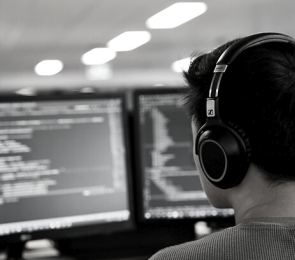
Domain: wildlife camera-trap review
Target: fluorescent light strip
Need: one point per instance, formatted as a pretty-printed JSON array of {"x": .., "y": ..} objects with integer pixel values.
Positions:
[
  {"x": 48, "y": 67},
  {"x": 176, "y": 14},
  {"x": 181, "y": 65},
  {"x": 129, "y": 40},
  {"x": 98, "y": 56}
]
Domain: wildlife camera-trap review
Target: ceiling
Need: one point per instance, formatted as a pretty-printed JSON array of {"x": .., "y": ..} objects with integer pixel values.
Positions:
[{"x": 34, "y": 30}]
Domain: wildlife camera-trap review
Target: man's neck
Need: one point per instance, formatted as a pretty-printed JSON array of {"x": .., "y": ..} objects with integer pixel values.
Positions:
[{"x": 255, "y": 198}]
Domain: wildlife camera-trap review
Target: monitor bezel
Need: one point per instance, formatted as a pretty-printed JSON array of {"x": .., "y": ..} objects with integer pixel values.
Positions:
[{"x": 91, "y": 229}]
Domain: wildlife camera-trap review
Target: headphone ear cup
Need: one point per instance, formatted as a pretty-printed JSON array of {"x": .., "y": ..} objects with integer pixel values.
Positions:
[
  {"x": 223, "y": 155},
  {"x": 243, "y": 136}
]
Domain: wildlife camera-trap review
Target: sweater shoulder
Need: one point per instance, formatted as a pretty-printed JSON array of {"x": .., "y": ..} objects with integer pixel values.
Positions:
[
  {"x": 204, "y": 248},
  {"x": 246, "y": 241}
]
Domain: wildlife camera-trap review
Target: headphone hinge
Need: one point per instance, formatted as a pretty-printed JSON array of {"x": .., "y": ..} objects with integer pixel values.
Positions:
[
  {"x": 210, "y": 108},
  {"x": 220, "y": 68}
]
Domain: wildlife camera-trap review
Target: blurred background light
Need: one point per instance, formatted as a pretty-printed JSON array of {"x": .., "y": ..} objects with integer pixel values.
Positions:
[
  {"x": 181, "y": 65},
  {"x": 129, "y": 40},
  {"x": 98, "y": 72},
  {"x": 176, "y": 14},
  {"x": 48, "y": 67},
  {"x": 98, "y": 56},
  {"x": 26, "y": 92}
]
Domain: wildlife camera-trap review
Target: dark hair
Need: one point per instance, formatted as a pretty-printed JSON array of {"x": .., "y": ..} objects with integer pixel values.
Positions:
[{"x": 257, "y": 93}]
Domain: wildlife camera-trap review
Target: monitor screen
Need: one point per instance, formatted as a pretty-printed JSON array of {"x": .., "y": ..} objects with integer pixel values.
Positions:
[
  {"x": 168, "y": 182},
  {"x": 64, "y": 165}
]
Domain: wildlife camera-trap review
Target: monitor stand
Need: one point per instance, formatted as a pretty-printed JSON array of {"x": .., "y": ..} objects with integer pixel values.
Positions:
[{"x": 15, "y": 251}]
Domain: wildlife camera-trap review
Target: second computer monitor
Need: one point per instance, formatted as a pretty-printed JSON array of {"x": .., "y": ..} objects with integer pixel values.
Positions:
[{"x": 167, "y": 180}]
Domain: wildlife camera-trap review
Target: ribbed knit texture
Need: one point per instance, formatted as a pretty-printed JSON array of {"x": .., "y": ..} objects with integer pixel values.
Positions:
[{"x": 261, "y": 238}]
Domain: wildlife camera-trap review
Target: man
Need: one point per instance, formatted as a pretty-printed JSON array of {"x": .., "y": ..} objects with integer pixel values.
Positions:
[{"x": 241, "y": 98}]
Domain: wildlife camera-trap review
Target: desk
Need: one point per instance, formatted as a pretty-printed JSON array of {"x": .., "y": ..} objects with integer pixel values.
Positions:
[
  {"x": 48, "y": 254},
  {"x": 44, "y": 250}
]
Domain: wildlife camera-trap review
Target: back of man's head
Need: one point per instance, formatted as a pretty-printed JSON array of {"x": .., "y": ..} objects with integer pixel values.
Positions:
[{"x": 257, "y": 94}]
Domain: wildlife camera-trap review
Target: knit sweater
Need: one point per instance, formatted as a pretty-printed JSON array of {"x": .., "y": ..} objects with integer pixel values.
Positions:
[{"x": 260, "y": 238}]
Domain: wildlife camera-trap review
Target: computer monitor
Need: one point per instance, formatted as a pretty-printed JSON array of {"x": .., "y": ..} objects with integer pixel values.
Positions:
[
  {"x": 64, "y": 166},
  {"x": 168, "y": 183}
]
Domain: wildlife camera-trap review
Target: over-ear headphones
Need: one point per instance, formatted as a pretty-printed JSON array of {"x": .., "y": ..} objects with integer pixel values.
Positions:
[{"x": 223, "y": 149}]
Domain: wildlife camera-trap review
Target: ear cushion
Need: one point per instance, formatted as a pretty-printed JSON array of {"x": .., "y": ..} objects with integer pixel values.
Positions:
[
  {"x": 224, "y": 154},
  {"x": 243, "y": 136}
]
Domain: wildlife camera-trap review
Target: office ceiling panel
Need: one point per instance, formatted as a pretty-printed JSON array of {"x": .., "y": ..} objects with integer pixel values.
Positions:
[{"x": 34, "y": 30}]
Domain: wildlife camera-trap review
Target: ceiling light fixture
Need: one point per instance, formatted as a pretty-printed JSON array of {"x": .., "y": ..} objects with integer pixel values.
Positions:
[
  {"x": 176, "y": 14},
  {"x": 99, "y": 72},
  {"x": 48, "y": 67},
  {"x": 181, "y": 65},
  {"x": 98, "y": 56},
  {"x": 129, "y": 40}
]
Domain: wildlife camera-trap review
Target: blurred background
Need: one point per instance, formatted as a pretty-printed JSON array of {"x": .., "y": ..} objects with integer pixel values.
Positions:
[{"x": 32, "y": 31}]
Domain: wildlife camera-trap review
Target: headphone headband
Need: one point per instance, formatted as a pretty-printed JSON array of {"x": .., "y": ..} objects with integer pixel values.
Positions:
[{"x": 231, "y": 53}]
